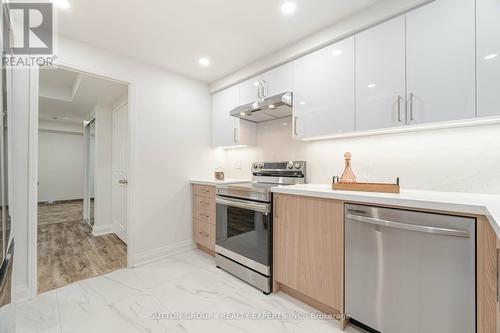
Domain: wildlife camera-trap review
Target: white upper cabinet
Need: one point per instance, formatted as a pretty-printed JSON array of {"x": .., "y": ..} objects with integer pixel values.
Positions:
[
  {"x": 488, "y": 57},
  {"x": 440, "y": 61},
  {"x": 380, "y": 76},
  {"x": 273, "y": 82},
  {"x": 324, "y": 91},
  {"x": 229, "y": 131},
  {"x": 249, "y": 90},
  {"x": 279, "y": 80}
]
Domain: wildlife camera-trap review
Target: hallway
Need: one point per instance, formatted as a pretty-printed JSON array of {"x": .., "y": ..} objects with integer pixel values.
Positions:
[{"x": 68, "y": 251}]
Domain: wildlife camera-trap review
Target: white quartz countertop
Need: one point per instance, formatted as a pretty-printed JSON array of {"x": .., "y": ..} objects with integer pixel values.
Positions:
[
  {"x": 214, "y": 182},
  {"x": 453, "y": 202}
]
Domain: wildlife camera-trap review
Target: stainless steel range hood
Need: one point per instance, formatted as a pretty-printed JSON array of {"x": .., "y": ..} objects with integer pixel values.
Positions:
[{"x": 269, "y": 108}]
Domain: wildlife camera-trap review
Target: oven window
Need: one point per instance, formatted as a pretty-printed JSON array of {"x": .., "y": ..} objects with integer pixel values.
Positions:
[{"x": 244, "y": 232}]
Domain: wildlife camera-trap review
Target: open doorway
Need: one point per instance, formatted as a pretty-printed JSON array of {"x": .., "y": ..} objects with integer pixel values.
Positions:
[{"x": 82, "y": 142}]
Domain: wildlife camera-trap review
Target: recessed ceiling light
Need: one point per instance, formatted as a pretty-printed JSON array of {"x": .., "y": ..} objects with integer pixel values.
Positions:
[
  {"x": 256, "y": 84},
  {"x": 337, "y": 52},
  {"x": 491, "y": 56},
  {"x": 243, "y": 114},
  {"x": 271, "y": 106},
  {"x": 63, "y": 4},
  {"x": 302, "y": 103},
  {"x": 372, "y": 85},
  {"x": 204, "y": 61},
  {"x": 288, "y": 8}
]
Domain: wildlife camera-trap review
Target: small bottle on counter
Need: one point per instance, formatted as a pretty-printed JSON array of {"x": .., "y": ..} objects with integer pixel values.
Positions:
[{"x": 348, "y": 175}]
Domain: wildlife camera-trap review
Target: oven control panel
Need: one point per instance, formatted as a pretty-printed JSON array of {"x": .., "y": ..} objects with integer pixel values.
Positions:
[{"x": 285, "y": 168}]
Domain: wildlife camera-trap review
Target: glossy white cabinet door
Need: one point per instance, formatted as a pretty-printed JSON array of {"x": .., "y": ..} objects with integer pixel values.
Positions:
[
  {"x": 249, "y": 90},
  {"x": 380, "y": 76},
  {"x": 488, "y": 57},
  {"x": 275, "y": 81},
  {"x": 440, "y": 61},
  {"x": 324, "y": 91},
  {"x": 279, "y": 80},
  {"x": 225, "y": 127},
  {"x": 228, "y": 131}
]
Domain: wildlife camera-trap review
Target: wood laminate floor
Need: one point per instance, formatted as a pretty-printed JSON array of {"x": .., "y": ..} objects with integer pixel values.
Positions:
[{"x": 68, "y": 251}]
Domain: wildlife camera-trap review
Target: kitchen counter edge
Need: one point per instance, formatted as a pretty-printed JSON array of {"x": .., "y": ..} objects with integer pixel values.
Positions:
[
  {"x": 211, "y": 182},
  {"x": 453, "y": 202}
]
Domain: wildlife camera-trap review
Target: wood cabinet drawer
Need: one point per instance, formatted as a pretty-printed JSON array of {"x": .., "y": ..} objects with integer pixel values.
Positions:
[
  {"x": 204, "y": 191},
  {"x": 204, "y": 234},
  {"x": 200, "y": 203},
  {"x": 204, "y": 215}
]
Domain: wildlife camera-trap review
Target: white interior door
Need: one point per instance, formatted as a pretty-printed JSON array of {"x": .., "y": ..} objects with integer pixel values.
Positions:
[{"x": 120, "y": 171}]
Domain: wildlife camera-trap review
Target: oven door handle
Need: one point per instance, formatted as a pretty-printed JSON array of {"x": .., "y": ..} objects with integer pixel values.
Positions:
[{"x": 250, "y": 205}]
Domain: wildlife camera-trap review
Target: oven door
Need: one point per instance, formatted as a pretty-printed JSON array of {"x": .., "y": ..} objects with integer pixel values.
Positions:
[{"x": 244, "y": 232}]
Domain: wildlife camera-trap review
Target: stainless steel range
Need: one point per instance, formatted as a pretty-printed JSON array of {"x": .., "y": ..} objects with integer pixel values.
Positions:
[{"x": 244, "y": 221}]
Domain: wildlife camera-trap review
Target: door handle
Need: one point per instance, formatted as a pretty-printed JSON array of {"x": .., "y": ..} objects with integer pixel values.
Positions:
[
  {"x": 295, "y": 133},
  {"x": 411, "y": 106},
  {"x": 399, "y": 109},
  {"x": 235, "y": 138},
  {"x": 123, "y": 182},
  {"x": 410, "y": 227}
]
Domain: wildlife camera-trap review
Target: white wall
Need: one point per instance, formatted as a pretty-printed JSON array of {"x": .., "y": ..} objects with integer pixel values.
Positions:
[
  {"x": 170, "y": 143},
  {"x": 19, "y": 211},
  {"x": 60, "y": 165},
  {"x": 460, "y": 159}
]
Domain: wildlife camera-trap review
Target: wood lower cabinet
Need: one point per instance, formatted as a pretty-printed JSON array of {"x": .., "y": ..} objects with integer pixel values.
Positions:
[
  {"x": 486, "y": 271},
  {"x": 204, "y": 217},
  {"x": 308, "y": 250},
  {"x": 308, "y": 257}
]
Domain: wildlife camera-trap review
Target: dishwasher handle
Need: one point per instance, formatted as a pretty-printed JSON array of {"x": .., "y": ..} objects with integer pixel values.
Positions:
[{"x": 410, "y": 227}]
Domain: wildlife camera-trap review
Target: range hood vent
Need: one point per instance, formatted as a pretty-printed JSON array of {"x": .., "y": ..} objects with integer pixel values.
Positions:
[{"x": 269, "y": 108}]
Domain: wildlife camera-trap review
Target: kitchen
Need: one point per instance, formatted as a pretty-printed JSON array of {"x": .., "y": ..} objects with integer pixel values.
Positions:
[{"x": 351, "y": 174}]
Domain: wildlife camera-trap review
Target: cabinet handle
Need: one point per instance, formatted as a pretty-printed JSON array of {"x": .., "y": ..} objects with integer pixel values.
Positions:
[
  {"x": 399, "y": 108},
  {"x": 295, "y": 119},
  {"x": 234, "y": 135},
  {"x": 411, "y": 107},
  {"x": 264, "y": 86}
]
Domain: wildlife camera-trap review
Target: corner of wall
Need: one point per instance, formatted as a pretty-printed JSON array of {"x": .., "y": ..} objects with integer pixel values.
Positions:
[
  {"x": 149, "y": 256},
  {"x": 21, "y": 293}
]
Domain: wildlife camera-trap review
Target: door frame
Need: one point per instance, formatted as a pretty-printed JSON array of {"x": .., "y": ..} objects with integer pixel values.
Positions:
[
  {"x": 87, "y": 136},
  {"x": 32, "y": 224}
]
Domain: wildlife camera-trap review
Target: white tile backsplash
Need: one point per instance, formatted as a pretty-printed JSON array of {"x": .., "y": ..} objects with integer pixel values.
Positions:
[{"x": 463, "y": 159}]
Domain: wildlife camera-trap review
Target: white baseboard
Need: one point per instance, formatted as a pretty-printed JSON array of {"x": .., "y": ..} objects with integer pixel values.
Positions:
[
  {"x": 21, "y": 293},
  {"x": 101, "y": 230},
  {"x": 147, "y": 257}
]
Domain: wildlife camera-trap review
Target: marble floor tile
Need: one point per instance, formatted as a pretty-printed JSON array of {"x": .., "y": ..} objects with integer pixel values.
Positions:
[
  {"x": 41, "y": 314},
  {"x": 185, "y": 293}
]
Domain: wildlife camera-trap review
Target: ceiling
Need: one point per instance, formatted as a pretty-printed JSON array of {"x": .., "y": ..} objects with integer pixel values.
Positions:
[
  {"x": 71, "y": 97},
  {"x": 174, "y": 34}
]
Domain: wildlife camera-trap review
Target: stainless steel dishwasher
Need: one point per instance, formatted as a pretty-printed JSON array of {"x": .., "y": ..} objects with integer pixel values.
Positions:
[{"x": 410, "y": 272}]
